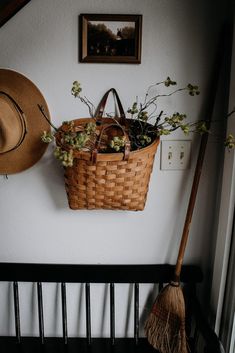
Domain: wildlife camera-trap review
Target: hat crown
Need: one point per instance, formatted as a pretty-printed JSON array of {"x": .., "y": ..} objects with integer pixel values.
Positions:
[
  {"x": 12, "y": 124},
  {"x": 21, "y": 122}
]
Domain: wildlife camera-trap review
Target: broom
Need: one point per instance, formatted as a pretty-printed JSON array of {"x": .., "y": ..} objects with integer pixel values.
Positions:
[{"x": 165, "y": 326}]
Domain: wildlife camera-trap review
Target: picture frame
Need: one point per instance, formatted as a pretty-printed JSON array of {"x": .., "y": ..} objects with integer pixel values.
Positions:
[
  {"x": 110, "y": 38},
  {"x": 9, "y": 8}
]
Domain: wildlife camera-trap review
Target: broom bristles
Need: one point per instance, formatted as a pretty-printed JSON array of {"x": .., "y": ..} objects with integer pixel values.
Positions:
[{"x": 165, "y": 326}]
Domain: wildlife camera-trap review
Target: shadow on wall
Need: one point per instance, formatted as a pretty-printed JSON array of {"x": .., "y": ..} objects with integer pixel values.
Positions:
[{"x": 53, "y": 177}]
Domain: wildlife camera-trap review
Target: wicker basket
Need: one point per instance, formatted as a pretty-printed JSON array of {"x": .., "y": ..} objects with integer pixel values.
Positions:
[{"x": 115, "y": 181}]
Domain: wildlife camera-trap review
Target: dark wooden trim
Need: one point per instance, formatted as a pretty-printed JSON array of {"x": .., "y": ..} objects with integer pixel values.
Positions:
[
  {"x": 64, "y": 313},
  {"x": 78, "y": 345},
  {"x": 10, "y": 9},
  {"x": 62, "y": 273},
  {"x": 88, "y": 313},
  {"x": 17, "y": 311},
  {"x": 70, "y": 273},
  {"x": 213, "y": 343},
  {"x": 136, "y": 313},
  {"x": 83, "y": 50},
  {"x": 40, "y": 312}
]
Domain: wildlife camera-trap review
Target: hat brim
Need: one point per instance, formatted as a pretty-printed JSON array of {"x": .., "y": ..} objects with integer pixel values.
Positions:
[{"x": 27, "y": 96}]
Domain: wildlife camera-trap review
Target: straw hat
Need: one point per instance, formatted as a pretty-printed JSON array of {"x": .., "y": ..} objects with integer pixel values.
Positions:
[{"x": 21, "y": 122}]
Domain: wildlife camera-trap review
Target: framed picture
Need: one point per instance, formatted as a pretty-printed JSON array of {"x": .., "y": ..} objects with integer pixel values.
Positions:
[
  {"x": 9, "y": 8},
  {"x": 110, "y": 38}
]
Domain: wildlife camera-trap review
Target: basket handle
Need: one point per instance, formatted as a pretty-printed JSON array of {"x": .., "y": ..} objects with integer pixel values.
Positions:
[
  {"x": 127, "y": 147},
  {"x": 100, "y": 109}
]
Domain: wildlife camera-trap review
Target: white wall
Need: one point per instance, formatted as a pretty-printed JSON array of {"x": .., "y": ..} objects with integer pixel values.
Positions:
[{"x": 41, "y": 42}]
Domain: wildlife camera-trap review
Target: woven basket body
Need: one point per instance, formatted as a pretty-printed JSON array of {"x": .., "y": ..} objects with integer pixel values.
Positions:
[
  {"x": 115, "y": 181},
  {"x": 110, "y": 182}
]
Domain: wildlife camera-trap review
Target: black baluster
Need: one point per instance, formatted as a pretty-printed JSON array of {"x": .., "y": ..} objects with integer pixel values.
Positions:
[
  {"x": 136, "y": 313},
  {"x": 112, "y": 314},
  {"x": 88, "y": 313},
  {"x": 40, "y": 312},
  {"x": 64, "y": 312},
  {"x": 17, "y": 311}
]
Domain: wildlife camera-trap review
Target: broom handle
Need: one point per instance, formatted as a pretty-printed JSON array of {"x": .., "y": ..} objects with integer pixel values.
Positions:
[
  {"x": 191, "y": 204},
  {"x": 223, "y": 45}
]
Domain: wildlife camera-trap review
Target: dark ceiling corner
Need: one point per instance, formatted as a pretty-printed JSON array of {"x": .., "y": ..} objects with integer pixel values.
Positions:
[{"x": 9, "y": 8}]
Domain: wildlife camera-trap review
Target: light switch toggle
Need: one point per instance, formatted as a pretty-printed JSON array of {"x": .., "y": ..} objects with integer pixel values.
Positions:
[
  {"x": 169, "y": 155},
  {"x": 175, "y": 155}
]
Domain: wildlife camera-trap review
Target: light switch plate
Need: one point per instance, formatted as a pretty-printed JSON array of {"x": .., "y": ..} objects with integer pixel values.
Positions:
[{"x": 175, "y": 154}]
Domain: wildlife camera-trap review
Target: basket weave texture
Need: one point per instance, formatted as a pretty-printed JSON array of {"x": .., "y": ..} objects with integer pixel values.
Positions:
[
  {"x": 115, "y": 181},
  {"x": 110, "y": 183}
]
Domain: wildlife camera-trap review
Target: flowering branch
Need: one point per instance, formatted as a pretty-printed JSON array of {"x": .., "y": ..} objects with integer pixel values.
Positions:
[
  {"x": 141, "y": 129},
  {"x": 163, "y": 126},
  {"x": 75, "y": 91}
]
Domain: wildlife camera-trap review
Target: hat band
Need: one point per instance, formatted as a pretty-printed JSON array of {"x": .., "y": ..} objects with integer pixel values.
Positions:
[{"x": 22, "y": 118}]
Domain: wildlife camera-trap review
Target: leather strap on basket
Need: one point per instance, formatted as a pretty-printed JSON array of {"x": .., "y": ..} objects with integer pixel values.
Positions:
[
  {"x": 100, "y": 109},
  {"x": 127, "y": 147}
]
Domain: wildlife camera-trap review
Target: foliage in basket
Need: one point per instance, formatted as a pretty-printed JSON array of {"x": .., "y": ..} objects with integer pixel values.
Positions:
[{"x": 146, "y": 123}]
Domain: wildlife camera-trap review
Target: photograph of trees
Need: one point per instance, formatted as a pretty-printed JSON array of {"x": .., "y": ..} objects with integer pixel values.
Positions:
[{"x": 110, "y": 38}]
